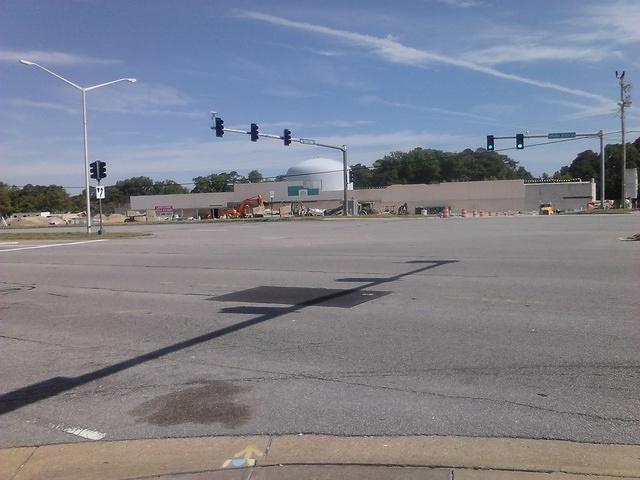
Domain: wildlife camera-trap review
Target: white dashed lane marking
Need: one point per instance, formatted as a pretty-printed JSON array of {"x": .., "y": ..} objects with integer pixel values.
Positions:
[{"x": 50, "y": 245}]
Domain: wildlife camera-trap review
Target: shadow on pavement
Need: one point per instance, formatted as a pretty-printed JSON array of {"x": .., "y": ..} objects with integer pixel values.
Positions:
[{"x": 51, "y": 387}]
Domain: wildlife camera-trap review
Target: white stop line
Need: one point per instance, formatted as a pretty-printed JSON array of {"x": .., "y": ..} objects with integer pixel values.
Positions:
[{"x": 50, "y": 245}]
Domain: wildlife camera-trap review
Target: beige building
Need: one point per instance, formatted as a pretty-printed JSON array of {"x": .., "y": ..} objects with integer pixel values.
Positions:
[{"x": 494, "y": 195}]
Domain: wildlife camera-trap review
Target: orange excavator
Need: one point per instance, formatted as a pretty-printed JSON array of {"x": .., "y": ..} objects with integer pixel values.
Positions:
[{"x": 244, "y": 209}]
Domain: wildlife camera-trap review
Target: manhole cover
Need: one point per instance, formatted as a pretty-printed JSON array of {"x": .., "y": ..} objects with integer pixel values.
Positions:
[{"x": 321, "y": 297}]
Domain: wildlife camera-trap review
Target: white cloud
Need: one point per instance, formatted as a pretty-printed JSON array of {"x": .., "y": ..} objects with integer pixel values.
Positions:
[
  {"x": 614, "y": 21},
  {"x": 348, "y": 123},
  {"x": 329, "y": 53},
  {"x": 422, "y": 108},
  {"x": 140, "y": 97},
  {"x": 392, "y": 50},
  {"x": 585, "y": 111},
  {"x": 461, "y": 3},
  {"x": 53, "y": 57},
  {"x": 25, "y": 103},
  {"x": 500, "y": 54},
  {"x": 593, "y": 34},
  {"x": 400, "y": 140},
  {"x": 288, "y": 92}
]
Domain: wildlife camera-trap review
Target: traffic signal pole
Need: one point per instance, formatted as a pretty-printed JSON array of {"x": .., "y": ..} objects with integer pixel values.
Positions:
[
  {"x": 304, "y": 141},
  {"x": 100, "y": 203},
  {"x": 565, "y": 135},
  {"x": 98, "y": 171}
]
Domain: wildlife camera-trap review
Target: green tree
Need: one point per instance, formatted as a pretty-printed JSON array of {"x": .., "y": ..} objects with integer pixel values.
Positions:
[
  {"x": 431, "y": 166},
  {"x": 6, "y": 207},
  {"x": 168, "y": 187},
  {"x": 216, "y": 182},
  {"x": 586, "y": 165},
  {"x": 135, "y": 186},
  {"x": 255, "y": 176},
  {"x": 361, "y": 176},
  {"x": 35, "y": 198}
]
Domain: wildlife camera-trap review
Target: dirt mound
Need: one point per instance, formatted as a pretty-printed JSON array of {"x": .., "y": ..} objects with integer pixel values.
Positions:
[
  {"x": 115, "y": 218},
  {"x": 29, "y": 221}
]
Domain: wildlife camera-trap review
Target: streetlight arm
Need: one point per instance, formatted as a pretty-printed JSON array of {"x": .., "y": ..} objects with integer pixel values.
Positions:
[
  {"x": 33, "y": 64},
  {"x": 131, "y": 80}
]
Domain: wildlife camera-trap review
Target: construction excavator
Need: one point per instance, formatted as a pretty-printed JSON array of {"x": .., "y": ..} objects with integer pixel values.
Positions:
[{"x": 244, "y": 209}]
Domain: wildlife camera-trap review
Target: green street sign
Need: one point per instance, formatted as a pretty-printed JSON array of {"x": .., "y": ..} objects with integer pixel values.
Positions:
[
  {"x": 562, "y": 135},
  {"x": 307, "y": 141}
]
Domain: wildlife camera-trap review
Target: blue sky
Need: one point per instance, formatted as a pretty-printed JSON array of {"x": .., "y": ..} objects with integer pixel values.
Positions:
[{"x": 377, "y": 76}]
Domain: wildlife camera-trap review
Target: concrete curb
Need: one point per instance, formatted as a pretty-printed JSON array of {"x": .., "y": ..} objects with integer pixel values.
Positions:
[{"x": 312, "y": 456}]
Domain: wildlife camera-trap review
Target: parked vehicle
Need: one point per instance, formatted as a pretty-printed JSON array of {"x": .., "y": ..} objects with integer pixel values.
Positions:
[{"x": 546, "y": 209}]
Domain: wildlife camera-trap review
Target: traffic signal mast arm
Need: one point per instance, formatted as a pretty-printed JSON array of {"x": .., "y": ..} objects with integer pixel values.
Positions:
[
  {"x": 304, "y": 141},
  {"x": 512, "y": 137}
]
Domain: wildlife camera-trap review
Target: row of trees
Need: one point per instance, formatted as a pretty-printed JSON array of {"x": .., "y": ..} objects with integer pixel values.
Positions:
[
  {"x": 55, "y": 199},
  {"x": 586, "y": 165},
  {"x": 415, "y": 166},
  {"x": 223, "y": 182},
  {"x": 433, "y": 166}
]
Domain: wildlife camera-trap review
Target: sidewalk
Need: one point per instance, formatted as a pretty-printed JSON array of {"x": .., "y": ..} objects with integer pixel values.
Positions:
[{"x": 323, "y": 457}]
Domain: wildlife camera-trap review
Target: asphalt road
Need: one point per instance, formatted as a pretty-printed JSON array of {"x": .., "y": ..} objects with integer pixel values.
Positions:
[{"x": 518, "y": 327}]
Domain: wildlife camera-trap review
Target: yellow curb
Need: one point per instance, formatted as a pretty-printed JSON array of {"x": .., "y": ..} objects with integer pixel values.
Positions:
[
  {"x": 134, "y": 458},
  {"x": 12, "y": 459},
  {"x": 346, "y": 472},
  {"x": 468, "y": 452},
  {"x": 495, "y": 458},
  {"x": 498, "y": 475}
]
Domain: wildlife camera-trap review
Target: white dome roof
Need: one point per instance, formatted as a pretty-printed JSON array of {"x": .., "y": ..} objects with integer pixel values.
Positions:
[
  {"x": 315, "y": 165},
  {"x": 322, "y": 173}
]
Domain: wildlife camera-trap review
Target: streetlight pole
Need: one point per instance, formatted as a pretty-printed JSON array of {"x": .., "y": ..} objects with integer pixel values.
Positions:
[
  {"x": 86, "y": 159},
  {"x": 84, "y": 91}
]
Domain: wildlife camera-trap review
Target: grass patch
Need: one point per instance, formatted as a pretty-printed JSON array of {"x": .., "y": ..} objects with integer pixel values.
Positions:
[{"x": 67, "y": 235}]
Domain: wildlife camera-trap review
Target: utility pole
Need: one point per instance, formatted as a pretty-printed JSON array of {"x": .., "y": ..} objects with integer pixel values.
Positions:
[
  {"x": 601, "y": 133},
  {"x": 625, "y": 101}
]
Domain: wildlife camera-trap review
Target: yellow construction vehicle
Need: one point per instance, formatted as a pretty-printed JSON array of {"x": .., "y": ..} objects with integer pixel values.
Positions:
[
  {"x": 244, "y": 209},
  {"x": 546, "y": 209}
]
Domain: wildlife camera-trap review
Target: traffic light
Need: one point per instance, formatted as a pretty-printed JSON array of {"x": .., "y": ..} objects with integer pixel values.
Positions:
[
  {"x": 287, "y": 136},
  {"x": 490, "y": 145},
  {"x": 350, "y": 176},
  {"x": 254, "y": 132},
  {"x": 102, "y": 169},
  {"x": 219, "y": 127},
  {"x": 519, "y": 141},
  {"x": 93, "y": 170}
]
